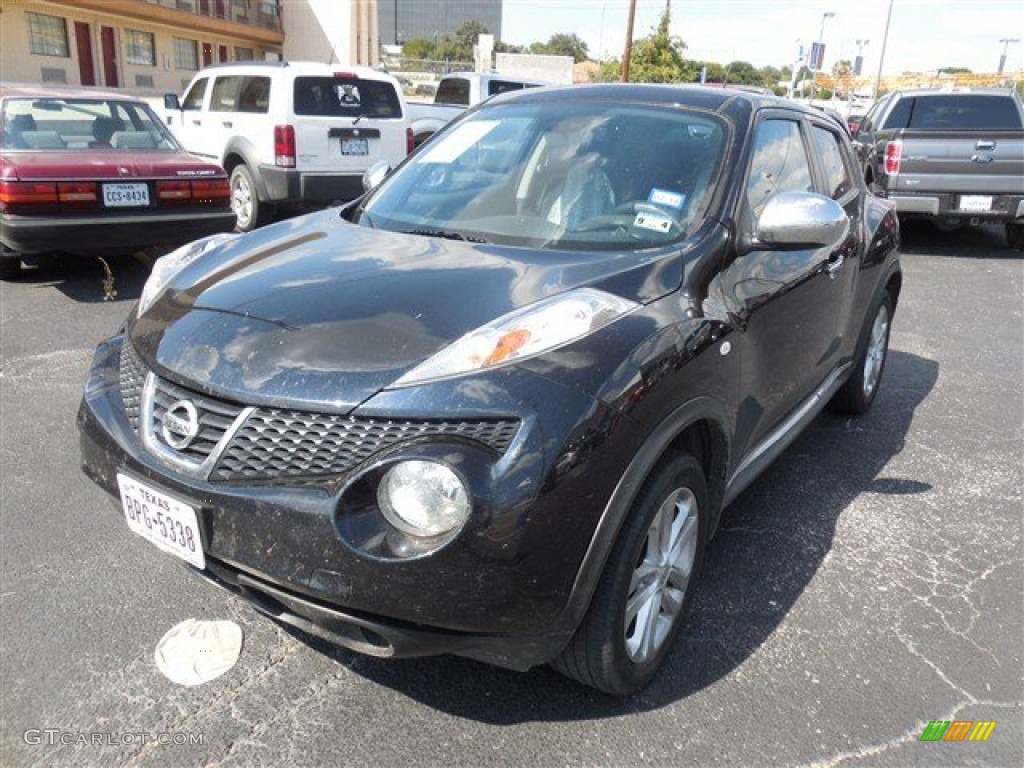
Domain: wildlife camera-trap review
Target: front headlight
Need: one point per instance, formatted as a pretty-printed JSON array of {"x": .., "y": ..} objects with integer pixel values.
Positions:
[
  {"x": 166, "y": 267},
  {"x": 423, "y": 498},
  {"x": 530, "y": 331}
]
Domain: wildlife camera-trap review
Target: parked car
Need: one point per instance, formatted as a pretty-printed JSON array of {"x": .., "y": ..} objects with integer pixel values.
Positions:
[
  {"x": 954, "y": 157},
  {"x": 457, "y": 92},
  {"x": 496, "y": 407},
  {"x": 292, "y": 133},
  {"x": 83, "y": 170}
]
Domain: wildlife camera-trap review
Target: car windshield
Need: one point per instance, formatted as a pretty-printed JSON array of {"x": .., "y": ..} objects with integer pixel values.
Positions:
[
  {"x": 600, "y": 176},
  {"x": 72, "y": 124}
]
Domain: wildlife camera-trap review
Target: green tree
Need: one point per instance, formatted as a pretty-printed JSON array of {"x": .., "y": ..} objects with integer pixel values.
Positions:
[
  {"x": 658, "y": 58},
  {"x": 563, "y": 44},
  {"x": 419, "y": 48},
  {"x": 743, "y": 73},
  {"x": 954, "y": 71}
]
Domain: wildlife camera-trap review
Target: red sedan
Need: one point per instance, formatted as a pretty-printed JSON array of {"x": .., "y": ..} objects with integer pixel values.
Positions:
[{"x": 87, "y": 171}]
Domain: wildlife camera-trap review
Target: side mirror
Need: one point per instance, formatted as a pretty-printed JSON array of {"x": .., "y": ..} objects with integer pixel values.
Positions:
[
  {"x": 792, "y": 220},
  {"x": 375, "y": 175},
  {"x": 171, "y": 102}
]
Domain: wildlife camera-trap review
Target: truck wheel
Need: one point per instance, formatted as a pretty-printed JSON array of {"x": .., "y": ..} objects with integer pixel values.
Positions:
[
  {"x": 245, "y": 202},
  {"x": 857, "y": 394},
  {"x": 1015, "y": 235},
  {"x": 639, "y": 604}
]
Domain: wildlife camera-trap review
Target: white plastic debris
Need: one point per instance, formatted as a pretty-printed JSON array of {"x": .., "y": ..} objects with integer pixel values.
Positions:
[{"x": 195, "y": 652}]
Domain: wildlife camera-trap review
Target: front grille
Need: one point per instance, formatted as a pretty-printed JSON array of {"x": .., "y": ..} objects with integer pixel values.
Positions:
[
  {"x": 215, "y": 417},
  {"x": 278, "y": 443},
  {"x": 133, "y": 376}
]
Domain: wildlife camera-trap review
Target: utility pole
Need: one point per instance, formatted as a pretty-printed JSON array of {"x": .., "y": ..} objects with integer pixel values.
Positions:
[{"x": 629, "y": 41}]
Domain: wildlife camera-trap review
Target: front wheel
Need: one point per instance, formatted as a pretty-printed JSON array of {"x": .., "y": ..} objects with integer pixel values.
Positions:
[
  {"x": 859, "y": 391},
  {"x": 638, "y": 607}
]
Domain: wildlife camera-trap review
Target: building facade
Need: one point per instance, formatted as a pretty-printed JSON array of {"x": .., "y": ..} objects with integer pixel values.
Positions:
[
  {"x": 135, "y": 44},
  {"x": 402, "y": 20},
  {"x": 161, "y": 44}
]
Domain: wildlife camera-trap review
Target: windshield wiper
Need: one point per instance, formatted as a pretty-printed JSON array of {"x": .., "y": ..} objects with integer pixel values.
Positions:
[{"x": 446, "y": 235}]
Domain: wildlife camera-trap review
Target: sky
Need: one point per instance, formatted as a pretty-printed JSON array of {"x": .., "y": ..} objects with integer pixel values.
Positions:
[{"x": 923, "y": 35}]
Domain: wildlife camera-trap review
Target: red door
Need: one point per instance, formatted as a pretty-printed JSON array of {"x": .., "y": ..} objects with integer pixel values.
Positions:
[
  {"x": 109, "y": 45},
  {"x": 222, "y": 53},
  {"x": 207, "y": 54},
  {"x": 86, "y": 65}
]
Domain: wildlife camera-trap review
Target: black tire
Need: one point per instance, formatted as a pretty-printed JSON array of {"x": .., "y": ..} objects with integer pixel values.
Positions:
[
  {"x": 599, "y": 654},
  {"x": 859, "y": 391},
  {"x": 10, "y": 264},
  {"x": 1015, "y": 235},
  {"x": 250, "y": 211}
]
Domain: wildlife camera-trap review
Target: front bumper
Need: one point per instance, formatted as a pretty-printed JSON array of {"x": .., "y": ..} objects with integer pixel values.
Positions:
[
  {"x": 497, "y": 592},
  {"x": 43, "y": 234}
]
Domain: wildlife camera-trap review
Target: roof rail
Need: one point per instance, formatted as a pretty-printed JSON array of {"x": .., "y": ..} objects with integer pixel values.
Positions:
[{"x": 256, "y": 63}]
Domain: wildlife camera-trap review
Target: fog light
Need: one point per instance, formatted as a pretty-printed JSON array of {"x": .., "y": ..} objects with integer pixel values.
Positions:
[{"x": 423, "y": 498}]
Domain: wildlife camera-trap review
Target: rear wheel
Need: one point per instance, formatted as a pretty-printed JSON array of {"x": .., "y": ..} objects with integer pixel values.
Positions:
[
  {"x": 859, "y": 391},
  {"x": 1015, "y": 235},
  {"x": 638, "y": 607},
  {"x": 245, "y": 202},
  {"x": 10, "y": 264}
]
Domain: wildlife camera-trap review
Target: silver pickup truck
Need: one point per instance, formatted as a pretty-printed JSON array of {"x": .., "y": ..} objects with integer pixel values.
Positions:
[
  {"x": 455, "y": 93},
  {"x": 956, "y": 157}
]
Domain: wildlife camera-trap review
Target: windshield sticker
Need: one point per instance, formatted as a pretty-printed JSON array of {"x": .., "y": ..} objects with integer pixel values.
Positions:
[
  {"x": 450, "y": 147},
  {"x": 656, "y": 222},
  {"x": 668, "y": 199}
]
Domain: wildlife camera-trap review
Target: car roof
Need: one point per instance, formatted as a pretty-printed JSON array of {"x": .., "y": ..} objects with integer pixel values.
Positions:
[
  {"x": 917, "y": 92},
  {"x": 308, "y": 68},
  {"x": 33, "y": 91},
  {"x": 721, "y": 100}
]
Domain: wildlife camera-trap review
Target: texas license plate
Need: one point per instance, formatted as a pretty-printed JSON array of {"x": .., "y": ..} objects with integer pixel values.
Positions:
[
  {"x": 976, "y": 203},
  {"x": 355, "y": 147},
  {"x": 163, "y": 520},
  {"x": 125, "y": 195}
]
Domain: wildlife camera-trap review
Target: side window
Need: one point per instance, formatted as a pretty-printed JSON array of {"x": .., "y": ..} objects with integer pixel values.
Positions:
[
  {"x": 194, "y": 97},
  {"x": 501, "y": 86},
  {"x": 224, "y": 97},
  {"x": 453, "y": 90},
  {"x": 899, "y": 117},
  {"x": 779, "y": 164},
  {"x": 254, "y": 94},
  {"x": 837, "y": 175}
]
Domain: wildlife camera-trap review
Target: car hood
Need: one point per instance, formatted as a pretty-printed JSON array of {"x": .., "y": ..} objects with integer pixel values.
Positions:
[
  {"x": 320, "y": 312},
  {"x": 105, "y": 164}
]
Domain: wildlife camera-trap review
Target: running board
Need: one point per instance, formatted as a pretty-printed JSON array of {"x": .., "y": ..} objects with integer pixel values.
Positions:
[{"x": 775, "y": 443}]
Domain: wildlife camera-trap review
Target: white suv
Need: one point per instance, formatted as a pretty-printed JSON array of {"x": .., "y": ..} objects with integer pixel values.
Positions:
[{"x": 291, "y": 132}]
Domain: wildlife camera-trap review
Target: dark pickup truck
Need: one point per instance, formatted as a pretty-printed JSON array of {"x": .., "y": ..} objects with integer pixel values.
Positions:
[{"x": 954, "y": 157}]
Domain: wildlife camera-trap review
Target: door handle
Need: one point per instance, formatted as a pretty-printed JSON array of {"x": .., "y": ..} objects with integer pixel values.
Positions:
[
  {"x": 835, "y": 263},
  {"x": 197, "y": 122},
  {"x": 227, "y": 123}
]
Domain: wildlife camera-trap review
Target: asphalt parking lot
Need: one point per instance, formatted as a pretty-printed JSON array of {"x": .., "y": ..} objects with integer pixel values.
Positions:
[{"x": 868, "y": 583}]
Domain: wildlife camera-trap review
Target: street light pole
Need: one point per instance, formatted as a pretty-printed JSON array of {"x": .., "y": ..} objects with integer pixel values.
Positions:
[
  {"x": 1006, "y": 45},
  {"x": 817, "y": 65},
  {"x": 881, "y": 59}
]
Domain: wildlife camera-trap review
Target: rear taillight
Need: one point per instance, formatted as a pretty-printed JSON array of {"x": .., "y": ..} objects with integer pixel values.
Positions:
[
  {"x": 76, "y": 194},
  {"x": 410, "y": 141},
  {"x": 197, "y": 191},
  {"x": 27, "y": 196},
  {"x": 893, "y": 157},
  {"x": 211, "y": 190},
  {"x": 173, "y": 191},
  {"x": 284, "y": 146}
]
